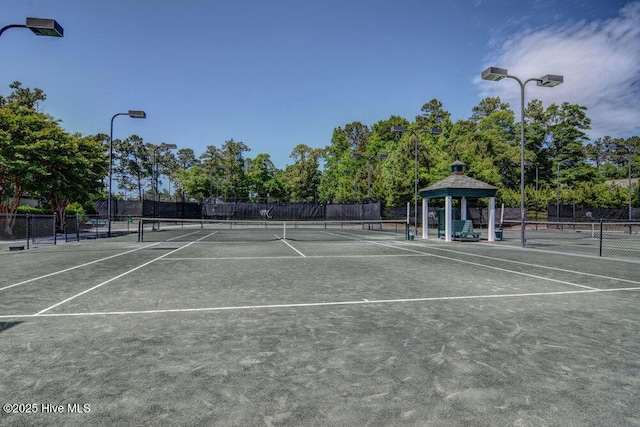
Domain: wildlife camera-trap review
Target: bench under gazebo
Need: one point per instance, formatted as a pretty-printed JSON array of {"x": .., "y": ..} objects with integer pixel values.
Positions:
[{"x": 460, "y": 186}]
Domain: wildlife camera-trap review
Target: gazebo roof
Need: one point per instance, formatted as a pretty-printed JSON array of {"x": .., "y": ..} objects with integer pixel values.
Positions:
[{"x": 458, "y": 185}]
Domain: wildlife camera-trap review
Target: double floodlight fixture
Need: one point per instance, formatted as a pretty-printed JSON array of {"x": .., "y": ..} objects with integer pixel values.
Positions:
[
  {"x": 495, "y": 74},
  {"x": 550, "y": 80},
  {"x": 40, "y": 27}
]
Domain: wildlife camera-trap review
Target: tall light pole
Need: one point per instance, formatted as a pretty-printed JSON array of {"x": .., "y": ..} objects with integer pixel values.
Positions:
[
  {"x": 39, "y": 26},
  {"x": 134, "y": 114},
  {"x": 402, "y": 129},
  {"x": 493, "y": 73},
  {"x": 630, "y": 152},
  {"x": 368, "y": 159}
]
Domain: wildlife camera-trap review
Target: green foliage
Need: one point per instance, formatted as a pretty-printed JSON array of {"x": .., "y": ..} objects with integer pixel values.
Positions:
[
  {"x": 301, "y": 179},
  {"x": 37, "y": 156},
  {"x": 75, "y": 208},
  {"x": 32, "y": 210}
]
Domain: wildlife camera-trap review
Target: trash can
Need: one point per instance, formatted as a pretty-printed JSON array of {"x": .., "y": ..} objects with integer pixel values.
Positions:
[
  {"x": 498, "y": 234},
  {"x": 411, "y": 236}
]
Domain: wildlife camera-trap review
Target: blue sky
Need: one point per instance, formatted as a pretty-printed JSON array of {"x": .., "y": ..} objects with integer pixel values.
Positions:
[{"x": 278, "y": 73}]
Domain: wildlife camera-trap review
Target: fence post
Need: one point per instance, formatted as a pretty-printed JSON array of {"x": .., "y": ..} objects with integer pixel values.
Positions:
[
  {"x": 601, "y": 227},
  {"x": 140, "y": 230},
  {"x": 27, "y": 227}
]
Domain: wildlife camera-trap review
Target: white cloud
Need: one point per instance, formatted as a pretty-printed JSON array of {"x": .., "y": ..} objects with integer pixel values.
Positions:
[{"x": 600, "y": 62}]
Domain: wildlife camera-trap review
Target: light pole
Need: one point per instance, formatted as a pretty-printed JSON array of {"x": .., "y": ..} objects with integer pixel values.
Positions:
[
  {"x": 630, "y": 152},
  {"x": 402, "y": 129},
  {"x": 528, "y": 163},
  {"x": 493, "y": 73},
  {"x": 134, "y": 114},
  {"x": 368, "y": 159},
  {"x": 39, "y": 26}
]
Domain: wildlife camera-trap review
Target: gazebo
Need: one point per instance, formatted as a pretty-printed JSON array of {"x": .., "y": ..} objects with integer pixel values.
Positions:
[{"x": 462, "y": 187}]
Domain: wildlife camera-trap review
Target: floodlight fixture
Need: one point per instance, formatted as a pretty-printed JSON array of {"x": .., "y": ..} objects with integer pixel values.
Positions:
[
  {"x": 550, "y": 80},
  {"x": 137, "y": 114},
  {"x": 39, "y": 26},
  {"x": 494, "y": 73},
  {"x": 169, "y": 146},
  {"x": 45, "y": 27},
  {"x": 398, "y": 129}
]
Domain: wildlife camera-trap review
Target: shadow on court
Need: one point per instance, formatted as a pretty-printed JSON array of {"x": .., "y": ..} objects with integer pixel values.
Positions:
[{"x": 331, "y": 333}]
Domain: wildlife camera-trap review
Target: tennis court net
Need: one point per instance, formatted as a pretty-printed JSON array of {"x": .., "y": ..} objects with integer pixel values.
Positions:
[{"x": 185, "y": 230}]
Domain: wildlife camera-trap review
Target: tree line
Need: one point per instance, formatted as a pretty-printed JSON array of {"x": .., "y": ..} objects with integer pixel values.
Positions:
[{"x": 39, "y": 158}]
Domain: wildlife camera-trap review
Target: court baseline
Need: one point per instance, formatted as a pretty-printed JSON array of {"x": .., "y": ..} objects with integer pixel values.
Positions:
[{"x": 319, "y": 304}]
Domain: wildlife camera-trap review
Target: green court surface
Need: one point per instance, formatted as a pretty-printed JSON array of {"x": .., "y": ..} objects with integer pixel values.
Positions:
[{"x": 353, "y": 328}]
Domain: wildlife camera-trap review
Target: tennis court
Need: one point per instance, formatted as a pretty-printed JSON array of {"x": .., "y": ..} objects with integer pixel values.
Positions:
[{"x": 337, "y": 325}]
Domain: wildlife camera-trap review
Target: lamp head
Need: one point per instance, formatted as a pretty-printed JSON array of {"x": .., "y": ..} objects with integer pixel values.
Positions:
[
  {"x": 45, "y": 27},
  {"x": 137, "y": 114},
  {"x": 550, "y": 80},
  {"x": 494, "y": 73}
]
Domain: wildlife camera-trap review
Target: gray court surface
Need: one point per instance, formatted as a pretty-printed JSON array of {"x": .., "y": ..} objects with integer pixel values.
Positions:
[{"x": 338, "y": 332}]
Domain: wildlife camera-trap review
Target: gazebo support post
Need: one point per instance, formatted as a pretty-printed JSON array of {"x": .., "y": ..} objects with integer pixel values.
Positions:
[
  {"x": 425, "y": 218},
  {"x": 492, "y": 219},
  {"x": 448, "y": 218},
  {"x": 463, "y": 208}
]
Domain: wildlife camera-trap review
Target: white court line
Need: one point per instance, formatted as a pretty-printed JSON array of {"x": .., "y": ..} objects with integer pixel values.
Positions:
[
  {"x": 295, "y": 257},
  {"x": 599, "y": 276},
  {"x": 318, "y": 304},
  {"x": 287, "y": 243},
  {"x": 117, "y": 277},
  {"x": 75, "y": 267},
  {"x": 491, "y": 267}
]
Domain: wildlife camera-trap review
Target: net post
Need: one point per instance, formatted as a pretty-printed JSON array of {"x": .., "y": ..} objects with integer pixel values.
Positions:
[
  {"x": 55, "y": 235},
  {"x": 77, "y": 227},
  {"x": 601, "y": 227},
  {"x": 284, "y": 230}
]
